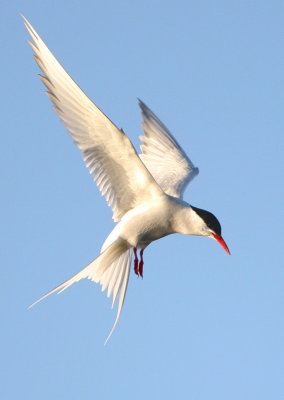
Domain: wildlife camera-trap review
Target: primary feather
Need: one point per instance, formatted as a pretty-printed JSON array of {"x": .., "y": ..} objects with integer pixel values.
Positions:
[
  {"x": 163, "y": 156},
  {"x": 106, "y": 150}
]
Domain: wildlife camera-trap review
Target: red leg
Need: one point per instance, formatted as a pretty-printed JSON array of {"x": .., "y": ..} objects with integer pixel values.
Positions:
[
  {"x": 135, "y": 261},
  {"x": 141, "y": 263}
]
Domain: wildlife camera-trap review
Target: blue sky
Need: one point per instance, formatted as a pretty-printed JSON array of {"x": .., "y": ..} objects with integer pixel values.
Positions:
[{"x": 200, "y": 325}]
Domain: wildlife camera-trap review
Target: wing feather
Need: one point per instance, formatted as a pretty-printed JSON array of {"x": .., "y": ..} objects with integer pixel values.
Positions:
[
  {"x": 110, "y": 156},
  {"x": 163, "y": 156}
]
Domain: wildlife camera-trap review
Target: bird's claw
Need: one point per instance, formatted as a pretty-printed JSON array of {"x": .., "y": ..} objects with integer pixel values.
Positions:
[{"x": 138, "y": 265}]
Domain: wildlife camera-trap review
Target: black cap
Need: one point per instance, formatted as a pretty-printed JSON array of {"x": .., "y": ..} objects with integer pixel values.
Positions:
[{"x": 210, "y": 220}]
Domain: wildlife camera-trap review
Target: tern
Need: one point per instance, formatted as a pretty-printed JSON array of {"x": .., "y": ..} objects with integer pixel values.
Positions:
[{"x": 145, "y": 192}]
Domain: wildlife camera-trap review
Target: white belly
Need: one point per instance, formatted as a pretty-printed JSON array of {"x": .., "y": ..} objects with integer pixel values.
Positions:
[{"x": 147, "y": 223}]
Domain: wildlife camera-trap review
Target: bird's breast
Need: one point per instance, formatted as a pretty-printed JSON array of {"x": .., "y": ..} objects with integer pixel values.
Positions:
[{"x": 147, "y": 223}]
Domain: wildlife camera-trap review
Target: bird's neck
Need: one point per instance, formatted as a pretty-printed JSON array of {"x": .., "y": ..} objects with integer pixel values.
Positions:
[{"x": 186, "y": 221}]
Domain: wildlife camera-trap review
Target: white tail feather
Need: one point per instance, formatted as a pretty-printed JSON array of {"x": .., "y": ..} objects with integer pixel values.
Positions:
[{"x": 110, "y": 269}]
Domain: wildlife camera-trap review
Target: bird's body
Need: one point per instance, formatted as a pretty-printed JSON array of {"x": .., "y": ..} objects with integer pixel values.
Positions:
[
  {"x": 144, "y": 191},
  {"x": 152, "y": 221}
]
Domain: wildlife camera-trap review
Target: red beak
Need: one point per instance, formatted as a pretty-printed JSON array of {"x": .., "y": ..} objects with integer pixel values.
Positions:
[{"x": 222, "y": 242}]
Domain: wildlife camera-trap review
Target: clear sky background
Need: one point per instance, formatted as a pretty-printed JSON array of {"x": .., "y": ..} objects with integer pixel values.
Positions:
[{"x": 200, "y": 325}]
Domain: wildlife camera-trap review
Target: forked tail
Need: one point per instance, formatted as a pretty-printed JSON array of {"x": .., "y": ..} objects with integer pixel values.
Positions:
[{"x": 110, "y": 269}]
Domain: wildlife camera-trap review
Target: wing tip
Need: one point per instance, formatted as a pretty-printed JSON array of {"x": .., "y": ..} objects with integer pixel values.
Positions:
[
  {"x": 22, "y": 16},
  {"x": 142, "y": 105}
]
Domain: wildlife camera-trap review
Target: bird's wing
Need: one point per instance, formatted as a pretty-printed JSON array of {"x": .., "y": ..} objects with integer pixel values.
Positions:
[
  {"x": 108, "y": 153},
  {"x": 163, "y": 156}
]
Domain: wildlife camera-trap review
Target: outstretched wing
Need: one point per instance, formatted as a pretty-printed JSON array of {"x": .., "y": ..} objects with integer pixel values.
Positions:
[
  {"x": 108, "y": 153},
  {"x": 163, "y": 156}
]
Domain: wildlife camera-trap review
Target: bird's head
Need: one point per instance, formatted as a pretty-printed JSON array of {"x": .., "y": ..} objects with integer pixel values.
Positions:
[{"x": 210, "y": 226}]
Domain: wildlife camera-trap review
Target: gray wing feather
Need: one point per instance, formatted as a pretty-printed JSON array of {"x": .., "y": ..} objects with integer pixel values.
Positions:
[
  {"x": 163, "y": 156},
  {"x": 108, "y": 153}
]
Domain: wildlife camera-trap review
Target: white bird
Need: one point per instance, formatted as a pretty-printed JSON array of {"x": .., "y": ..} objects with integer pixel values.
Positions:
[{"x": 144, "y": 191}]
